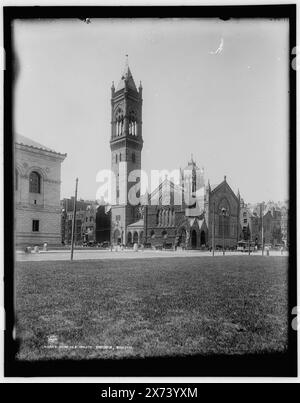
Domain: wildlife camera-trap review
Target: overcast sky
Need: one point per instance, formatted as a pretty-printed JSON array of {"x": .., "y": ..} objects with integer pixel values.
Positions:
[{"x": 229, "y": 108}]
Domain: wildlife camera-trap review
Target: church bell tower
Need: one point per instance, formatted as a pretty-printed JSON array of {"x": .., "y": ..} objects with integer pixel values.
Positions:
[{"x": 126, "y": 145}]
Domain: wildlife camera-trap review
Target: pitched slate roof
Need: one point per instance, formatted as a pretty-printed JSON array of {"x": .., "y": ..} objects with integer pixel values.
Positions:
[
  {"x": 139, "y": 223},
  {"x": 26, "y": 141}
]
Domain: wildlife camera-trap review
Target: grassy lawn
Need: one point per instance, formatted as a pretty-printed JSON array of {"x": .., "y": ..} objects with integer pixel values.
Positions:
[{"x": 151, "y": 307}]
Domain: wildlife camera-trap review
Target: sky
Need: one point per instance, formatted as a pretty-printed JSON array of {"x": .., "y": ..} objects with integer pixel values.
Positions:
[{"x": 215, "y": 89}]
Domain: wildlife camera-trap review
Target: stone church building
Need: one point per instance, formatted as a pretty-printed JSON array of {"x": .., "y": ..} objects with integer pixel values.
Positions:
[
  {"x": 208, "y": 215},
  {"x": 37, "y": 193}
]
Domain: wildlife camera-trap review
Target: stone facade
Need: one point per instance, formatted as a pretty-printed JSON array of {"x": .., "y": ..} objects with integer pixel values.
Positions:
[
  {"x": 126, "y": 144},
  {"x": 207, "y": 217},
  {"x": 37, "y": 193},
  {"x": 222, "y": 212},
  {"x": 187, "y": 224}
]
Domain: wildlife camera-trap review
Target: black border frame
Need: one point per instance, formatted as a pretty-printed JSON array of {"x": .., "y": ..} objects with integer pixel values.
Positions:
[{"x": 260, "y": 365}]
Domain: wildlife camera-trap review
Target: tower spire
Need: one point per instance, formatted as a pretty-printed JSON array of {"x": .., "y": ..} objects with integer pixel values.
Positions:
[{"x": 126, "y": 77}]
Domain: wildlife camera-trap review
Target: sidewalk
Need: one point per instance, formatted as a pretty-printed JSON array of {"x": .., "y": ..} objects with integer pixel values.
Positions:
[{"x": 127, "y": 254}]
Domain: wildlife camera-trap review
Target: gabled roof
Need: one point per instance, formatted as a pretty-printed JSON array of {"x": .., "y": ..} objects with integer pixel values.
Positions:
[
  {"x": 25, "y": 141},
  {"x": 139, "y": 223},
  {"x": 223, "y": 183},
  {"x": 126, "y": 76}
]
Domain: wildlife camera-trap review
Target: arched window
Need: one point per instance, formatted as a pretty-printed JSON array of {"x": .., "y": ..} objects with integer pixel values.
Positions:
[
  {"x": 129, "y": 238},
  {"x": 120, "y": 157},
  {"x": 16, "y": 179},
  {"x": 224, "y": 225},
  {"x": 132, "y": 124},
  {"x": 116, "y": 158},
  {"x": 157, "y": 217},
  {"x": 34, "y": 182},
  {"x": 224, "y": 218},
  {"x": 119, "y": 122}
]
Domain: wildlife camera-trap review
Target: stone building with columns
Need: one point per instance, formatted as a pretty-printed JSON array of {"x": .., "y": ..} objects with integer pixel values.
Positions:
[{"x": 37, "y": 193}]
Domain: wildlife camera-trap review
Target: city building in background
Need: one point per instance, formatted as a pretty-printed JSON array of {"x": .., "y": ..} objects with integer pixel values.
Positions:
[{"x": 92, "y": 223}]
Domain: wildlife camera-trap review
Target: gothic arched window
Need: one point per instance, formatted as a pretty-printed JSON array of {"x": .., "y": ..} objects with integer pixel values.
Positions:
[
  {"x": 132, "y": 124},
  {"x": 224, "y": 218},
  {"x": 119, "y": 122},
  {"x": 116, "y": 158},
  {"x": 157, "y": 217},
  {"x": 34, "y": 182}
]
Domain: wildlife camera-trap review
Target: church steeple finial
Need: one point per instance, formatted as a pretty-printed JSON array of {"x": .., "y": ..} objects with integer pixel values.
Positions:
[
  {"x": 126, "y": 79},
  {"x": 126, "y": 67}
]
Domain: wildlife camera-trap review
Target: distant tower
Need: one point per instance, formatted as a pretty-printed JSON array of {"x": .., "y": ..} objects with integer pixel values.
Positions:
[
  {"x": 192, "y": 177},
  {"x": 126, "y": 145}
]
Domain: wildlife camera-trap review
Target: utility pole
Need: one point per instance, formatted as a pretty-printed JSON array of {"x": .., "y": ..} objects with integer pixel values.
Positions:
[
  {"x": 248, "y": 234},
  {"x": 262, "y": 230},
  {"x": 74, "y": 220},
  {"x": 223, "y": 234},
  {"x": 145, "y": 221},
  {"x": 213, "y": 232}
]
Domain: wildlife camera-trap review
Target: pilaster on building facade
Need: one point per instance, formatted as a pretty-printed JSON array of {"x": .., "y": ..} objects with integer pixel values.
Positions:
[{"x": 37, "y": 183}]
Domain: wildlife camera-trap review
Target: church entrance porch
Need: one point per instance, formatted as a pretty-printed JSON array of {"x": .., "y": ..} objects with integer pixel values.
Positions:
[
  {"x": 117, "y": 237},
  {"x": 135, "y": 237},
  {"x": 181, "y": 238},
  {"x": 129, "y": 238},
  {"x": 194, "y": 239},
  {"x": 202, "y": 238}
]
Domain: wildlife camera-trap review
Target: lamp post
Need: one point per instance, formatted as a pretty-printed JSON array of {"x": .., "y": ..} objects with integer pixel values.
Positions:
[
  {"x": 223, "y": 214},
  {"x": 74, "y": 221},
  {"x": 262, "y": 229}
]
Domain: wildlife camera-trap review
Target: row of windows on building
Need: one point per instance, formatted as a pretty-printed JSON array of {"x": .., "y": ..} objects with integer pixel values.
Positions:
[
  {"x": 119, "y": 157},
  {"x": 34, "y": 182},
  {"x": 165, "y": 217},
  {"x": 120, "y": 123}
]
